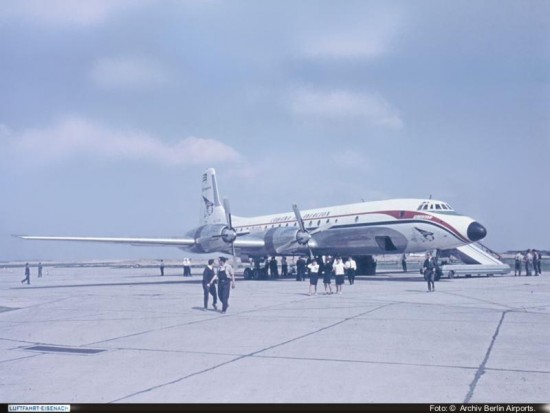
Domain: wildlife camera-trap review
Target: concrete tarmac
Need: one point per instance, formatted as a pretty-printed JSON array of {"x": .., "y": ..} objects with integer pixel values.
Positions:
[{"x": 100, "y": 335}]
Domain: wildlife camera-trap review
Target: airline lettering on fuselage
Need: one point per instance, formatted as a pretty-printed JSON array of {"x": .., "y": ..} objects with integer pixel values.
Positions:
[
  {"x": 281, "y": 219},
  {"x": 316, "y": 215},
  {"x": 422, "y": 217}
]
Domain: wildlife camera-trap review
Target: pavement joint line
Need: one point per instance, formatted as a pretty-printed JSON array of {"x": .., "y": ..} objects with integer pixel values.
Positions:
[
  {"x": 401, "y": 364},
  {"x": 243, "y": 356},
  {"x": 396, "y": 363},
  {"x": 480, "y": 300},
  {"x": 322, "y": 359},
  {"x": 202, "y": 320},
  {"x": 481, "y": 370},
  {"x": 20, "y": 358},
  {"x": 318, "y": 330}
]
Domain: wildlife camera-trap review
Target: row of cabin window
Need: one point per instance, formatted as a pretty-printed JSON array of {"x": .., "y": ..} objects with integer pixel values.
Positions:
[{"x": 295, "y": 224}]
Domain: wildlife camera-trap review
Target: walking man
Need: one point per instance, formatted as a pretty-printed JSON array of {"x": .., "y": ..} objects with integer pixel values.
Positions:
[
  {"x": 429, "y": 272},
  {"x": 27, "y": 275},
  {"x": 208, "y": 286},
  {"x": 226, "y": 277}
]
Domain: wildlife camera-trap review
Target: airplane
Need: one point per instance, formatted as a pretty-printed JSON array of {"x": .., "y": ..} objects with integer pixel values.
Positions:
[{"x": 393, "y": 226}]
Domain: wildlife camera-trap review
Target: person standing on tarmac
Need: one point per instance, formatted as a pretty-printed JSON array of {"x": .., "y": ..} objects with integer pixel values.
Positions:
[
  {"x": 187, "y": 267},
  {"x": 350, "y": 267},
  {"x": 429, "y": 272},
  {"x": 300, "y": 269},
  {"x": 327, "y": 275},
  {"x": 273, "y": 268},
  {"x": 39, "y": 270},
  {"x": 225, "y": 275},
  {"x": 339, "y": 270},
  {"x": 518, "y": 260},
  {"x": 208, "y": 286},
  {"x": 404, "y": 262},
  {"x": 536, "y": 263},
  {"x": 162, "y": 268},
  {"x": 313, "y": 268},
  {"x": 284, "y": 267},
  {"x": 27, "y": 275}
]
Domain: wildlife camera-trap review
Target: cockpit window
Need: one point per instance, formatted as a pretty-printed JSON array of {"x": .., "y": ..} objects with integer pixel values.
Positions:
[{"x": 434, "y": 206}]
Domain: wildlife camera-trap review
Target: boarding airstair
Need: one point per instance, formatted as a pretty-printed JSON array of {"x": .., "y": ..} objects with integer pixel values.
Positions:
[{"x": 474, "y": 258}]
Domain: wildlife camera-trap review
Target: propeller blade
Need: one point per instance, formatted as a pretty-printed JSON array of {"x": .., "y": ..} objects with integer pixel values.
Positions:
[
  {"x": 298, "y": 216},
  {"x": 227, "y": 208}
]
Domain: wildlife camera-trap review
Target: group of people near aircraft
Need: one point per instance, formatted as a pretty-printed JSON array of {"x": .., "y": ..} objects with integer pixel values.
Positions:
[
  {"x": 328, "y": 266},
  {"x": 530, "y": 260}
]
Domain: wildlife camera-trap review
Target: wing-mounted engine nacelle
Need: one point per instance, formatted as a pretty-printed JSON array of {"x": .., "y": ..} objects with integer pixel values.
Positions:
[
  {"x": 286, "y": 240},
  {"x": 215, "y": 237}
]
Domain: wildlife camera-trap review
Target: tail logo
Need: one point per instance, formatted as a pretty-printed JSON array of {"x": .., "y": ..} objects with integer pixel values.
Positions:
[{"x": 208, "y": 207}]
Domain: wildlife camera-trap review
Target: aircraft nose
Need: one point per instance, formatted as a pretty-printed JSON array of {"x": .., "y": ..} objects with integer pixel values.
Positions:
[{"x": 476, "y": 231}]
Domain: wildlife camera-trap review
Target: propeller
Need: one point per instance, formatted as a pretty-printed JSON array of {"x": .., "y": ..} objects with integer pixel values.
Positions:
[
  {"x": 229, "y": 234},
  {"x": 303, "y": 235}
]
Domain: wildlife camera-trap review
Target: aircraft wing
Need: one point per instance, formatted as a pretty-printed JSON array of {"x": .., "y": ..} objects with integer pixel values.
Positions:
[
  {"x": 249, "y": 243},
  {"x": 169, "y": 242}
]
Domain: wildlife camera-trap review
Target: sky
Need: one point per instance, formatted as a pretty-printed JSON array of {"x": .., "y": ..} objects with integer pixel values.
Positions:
[{"x": 111, "y": 110}]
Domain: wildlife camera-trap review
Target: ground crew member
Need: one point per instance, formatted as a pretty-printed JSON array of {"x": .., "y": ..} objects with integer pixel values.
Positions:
[
  {"x": 429, "y": 272},
  {"x": 208, "y": 286},
  {"x": 27, "y": 274},
  {"x": 226, "y": 277},
  {"x": 162, "y": 268},
  {"x": 518, "y": 260},
  {"x": 404, "y": 262},
  {"x": 300, "y": 269}
]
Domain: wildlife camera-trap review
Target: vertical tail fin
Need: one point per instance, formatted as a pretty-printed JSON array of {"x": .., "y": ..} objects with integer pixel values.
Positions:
[{"x": 212, "y": 211}]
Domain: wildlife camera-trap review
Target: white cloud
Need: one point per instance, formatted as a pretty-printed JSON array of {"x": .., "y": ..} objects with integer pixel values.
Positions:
[
  {"x": 76, "y": 136},
  {"x": 344, "y": 105},
  {"x": 125, "y": 72},
  {"x": 347, "y": 45},
  {"x": 73, "y": 12},
  {"x": 371, "y": 35}
]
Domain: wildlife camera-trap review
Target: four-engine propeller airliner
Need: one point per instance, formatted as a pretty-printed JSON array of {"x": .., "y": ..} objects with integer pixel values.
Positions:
[{"x": 367, "y": 228}]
